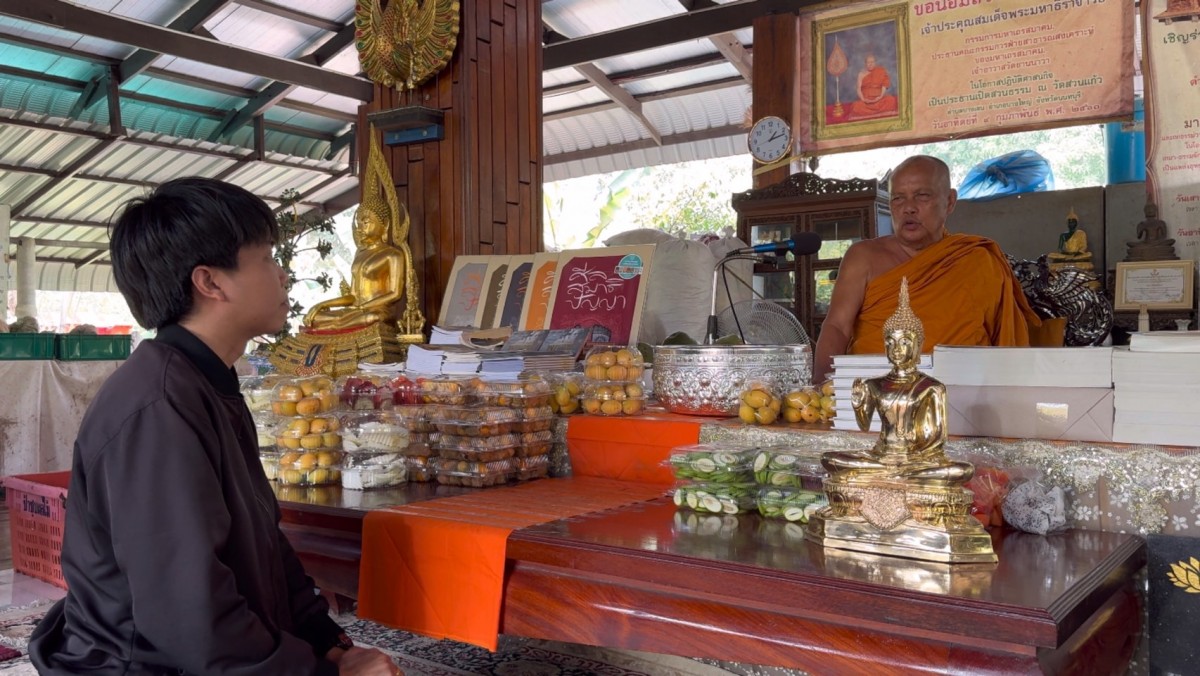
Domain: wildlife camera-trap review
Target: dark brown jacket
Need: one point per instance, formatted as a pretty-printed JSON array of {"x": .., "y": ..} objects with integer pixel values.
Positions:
[{"x": 172, "y": 550}]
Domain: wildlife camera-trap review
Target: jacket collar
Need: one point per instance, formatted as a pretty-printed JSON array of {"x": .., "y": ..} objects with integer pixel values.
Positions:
[{"x": 223, "y": 378}]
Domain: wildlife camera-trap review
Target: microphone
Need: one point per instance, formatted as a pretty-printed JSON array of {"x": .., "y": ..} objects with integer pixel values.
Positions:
[{"x": 801, "y": 244}]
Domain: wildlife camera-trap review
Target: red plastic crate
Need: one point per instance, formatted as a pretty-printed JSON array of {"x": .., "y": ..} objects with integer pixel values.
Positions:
[{"x": 37, "y": 510}]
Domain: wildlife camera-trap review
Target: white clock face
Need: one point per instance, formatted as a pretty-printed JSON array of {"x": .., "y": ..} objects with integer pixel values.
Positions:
[{"x": 770, "y": 138}]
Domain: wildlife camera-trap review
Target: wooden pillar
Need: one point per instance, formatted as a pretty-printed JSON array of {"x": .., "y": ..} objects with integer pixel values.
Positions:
[
  {"x": 776, "y": 77},
  {"x": 479, "y": 189}
]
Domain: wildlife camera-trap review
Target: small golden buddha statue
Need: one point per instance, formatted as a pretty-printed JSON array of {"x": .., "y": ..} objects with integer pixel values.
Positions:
[
  {"x": 903, "y": 497},
  {"x": 377, "y": 279},
  {"x": 361, "y": 324},
  {"x": 1073, "y": 250}
]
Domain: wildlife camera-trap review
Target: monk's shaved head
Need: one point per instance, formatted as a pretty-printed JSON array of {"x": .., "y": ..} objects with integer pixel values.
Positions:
[{"x": 941, "y": 171}]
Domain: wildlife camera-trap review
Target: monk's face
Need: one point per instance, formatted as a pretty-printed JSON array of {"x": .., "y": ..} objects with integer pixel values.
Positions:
[{"x": 921, "y": 201}]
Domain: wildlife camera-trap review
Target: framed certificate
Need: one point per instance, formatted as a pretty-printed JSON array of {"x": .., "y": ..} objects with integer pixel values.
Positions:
[{"x": 1159, "y": 285}]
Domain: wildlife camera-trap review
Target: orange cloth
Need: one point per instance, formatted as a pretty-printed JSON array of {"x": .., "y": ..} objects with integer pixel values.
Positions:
[
  {"x": 437, "y": 567},
  {"x": 873, "y": 84},
  {"x": 632, "y": 449},
  {"x": 963, "y": 290}
]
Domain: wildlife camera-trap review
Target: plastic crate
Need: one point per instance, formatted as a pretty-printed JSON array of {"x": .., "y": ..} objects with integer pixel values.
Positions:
[
  {"x": 84, "y": 347},
  {"x": 37, "y": 510},
  {"x": 15, "y": 346}
]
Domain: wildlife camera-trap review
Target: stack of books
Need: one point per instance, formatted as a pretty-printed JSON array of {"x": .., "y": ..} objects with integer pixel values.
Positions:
[
  {"x": 1157, "y": 390},
  {"x": 522, "y": 352},
  {"x": 849, "y": 367}
]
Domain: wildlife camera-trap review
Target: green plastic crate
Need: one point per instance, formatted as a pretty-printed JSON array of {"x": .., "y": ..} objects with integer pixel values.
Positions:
[
  {"x": 26, "y": 346},
  {"x": 83, "y": 347}
]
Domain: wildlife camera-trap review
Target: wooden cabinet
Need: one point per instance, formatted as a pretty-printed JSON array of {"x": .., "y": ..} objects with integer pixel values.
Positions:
[{"x": 841, "y": 212}]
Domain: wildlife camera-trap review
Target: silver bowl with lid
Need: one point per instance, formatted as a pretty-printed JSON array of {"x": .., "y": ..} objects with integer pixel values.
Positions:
[{"x": 709, "y": 379}]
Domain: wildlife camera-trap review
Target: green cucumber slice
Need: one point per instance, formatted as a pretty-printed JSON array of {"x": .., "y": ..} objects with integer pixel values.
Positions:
[{"x": 761, "y": 460}]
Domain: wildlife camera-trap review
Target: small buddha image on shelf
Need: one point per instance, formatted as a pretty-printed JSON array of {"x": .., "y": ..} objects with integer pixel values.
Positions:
[
  {"x": 1073, "y": 250},
  {"x": 1152, "y": 243}
]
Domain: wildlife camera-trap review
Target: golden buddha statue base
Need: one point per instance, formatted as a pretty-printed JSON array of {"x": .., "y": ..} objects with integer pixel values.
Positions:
[
  {"x": 338, "y": 352},
  {"x": 901, "y": 518}
]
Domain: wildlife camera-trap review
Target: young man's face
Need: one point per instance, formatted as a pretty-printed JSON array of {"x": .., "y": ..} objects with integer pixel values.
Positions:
[{"x": 257, "y": 292}]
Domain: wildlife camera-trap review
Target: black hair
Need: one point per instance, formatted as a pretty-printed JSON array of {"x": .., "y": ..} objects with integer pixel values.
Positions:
[{"x": 157, "y": 240}]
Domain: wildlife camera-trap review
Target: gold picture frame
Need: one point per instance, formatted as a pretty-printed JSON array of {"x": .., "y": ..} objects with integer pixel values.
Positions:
[
  {"x": 842, "y": 46},
  {"x": 1158, "y": 285}
]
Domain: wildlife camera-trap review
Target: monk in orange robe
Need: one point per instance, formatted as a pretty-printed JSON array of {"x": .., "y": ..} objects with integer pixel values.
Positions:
[
  {"x": 873, "y": 99},
  {"x": 961, "y": 286}
]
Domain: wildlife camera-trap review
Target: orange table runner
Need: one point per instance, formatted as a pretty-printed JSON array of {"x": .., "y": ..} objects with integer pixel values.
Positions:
[
  {"x": 632, "y": 449},
  {"x": 437, "y": 567}
]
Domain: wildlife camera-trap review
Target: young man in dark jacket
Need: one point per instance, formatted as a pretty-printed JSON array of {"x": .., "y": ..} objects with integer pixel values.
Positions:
[{"x": 172, "y": 550}]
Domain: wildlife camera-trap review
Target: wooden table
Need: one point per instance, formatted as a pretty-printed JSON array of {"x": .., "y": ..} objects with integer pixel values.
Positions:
[{"x": 751, "y": 590}]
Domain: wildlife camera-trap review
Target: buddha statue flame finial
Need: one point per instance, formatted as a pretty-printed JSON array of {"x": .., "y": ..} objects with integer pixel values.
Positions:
[{"x": 904, "y": 319}]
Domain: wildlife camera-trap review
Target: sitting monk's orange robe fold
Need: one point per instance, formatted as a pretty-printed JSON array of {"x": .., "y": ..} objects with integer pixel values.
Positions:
[{"x": 963, "y": 290}]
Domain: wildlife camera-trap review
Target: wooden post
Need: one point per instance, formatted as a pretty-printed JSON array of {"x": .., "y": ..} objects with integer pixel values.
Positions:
[
  {"x": 479, "y": 189},
  {"x": 776, "y": 77}
]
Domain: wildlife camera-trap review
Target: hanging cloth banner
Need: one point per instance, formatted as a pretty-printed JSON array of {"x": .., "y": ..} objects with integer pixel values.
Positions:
[
  {"x": 1172, "y": 39},
  {"x": 909, "y": 72}
]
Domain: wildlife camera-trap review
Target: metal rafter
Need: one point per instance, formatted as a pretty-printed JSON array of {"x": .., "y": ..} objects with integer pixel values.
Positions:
[
  {"x": 108, "y": 26},
  {"x": 686, "y": 90},
  {"x": 701, "y": 23},
  {"x": 644, "y": 144},
  {"x": 192, "y": 18},
  {"x": 68, "y": 172},
  {"x": 627, "y": 76},
  {"x": 93, "y": 257},
  {"x": 292, "y": 15},
  {"x": 274, "y": 92},
  {"x": 62, "y": 244},
  {"x": 622, "y": 98}
]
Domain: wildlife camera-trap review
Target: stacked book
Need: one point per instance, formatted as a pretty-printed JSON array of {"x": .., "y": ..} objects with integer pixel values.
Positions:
[
  {"x": 849, "y": 367},
  {"x": 1157, "y": 392}
]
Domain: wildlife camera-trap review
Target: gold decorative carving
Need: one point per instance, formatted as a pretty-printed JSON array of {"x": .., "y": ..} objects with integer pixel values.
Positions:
[
  {"x": 1186, "y": 574},
  {"x": 407, "y": 42}
]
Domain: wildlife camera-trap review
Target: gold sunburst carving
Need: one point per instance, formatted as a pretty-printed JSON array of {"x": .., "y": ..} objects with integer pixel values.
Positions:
[{"x": 406, "y": 43}]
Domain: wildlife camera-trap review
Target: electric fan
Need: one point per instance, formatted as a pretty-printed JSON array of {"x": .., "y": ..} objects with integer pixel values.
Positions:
[{"x": 762, "y": 322}]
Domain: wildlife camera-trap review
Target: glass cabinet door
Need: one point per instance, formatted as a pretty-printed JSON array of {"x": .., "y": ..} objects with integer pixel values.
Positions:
[
  {"x": 838, "y": 233},
  {"x": 777, "y": 287}
]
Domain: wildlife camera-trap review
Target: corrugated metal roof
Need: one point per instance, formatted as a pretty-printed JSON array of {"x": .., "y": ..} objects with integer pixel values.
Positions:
[{"x": 65, "y": 175}]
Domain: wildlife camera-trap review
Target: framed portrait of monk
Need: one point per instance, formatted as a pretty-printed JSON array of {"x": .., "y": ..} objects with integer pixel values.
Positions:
[{"x": 862, "y": 83}]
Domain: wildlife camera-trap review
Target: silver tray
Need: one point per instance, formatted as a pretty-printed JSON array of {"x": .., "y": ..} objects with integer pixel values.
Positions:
[{"x": 709, "y": 379}]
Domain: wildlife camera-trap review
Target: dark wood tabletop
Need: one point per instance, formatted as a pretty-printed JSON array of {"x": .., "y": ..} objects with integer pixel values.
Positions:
[{"x": 651, "y": 577}]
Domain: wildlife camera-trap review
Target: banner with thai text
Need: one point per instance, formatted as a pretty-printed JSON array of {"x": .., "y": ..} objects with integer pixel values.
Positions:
[
  {"x": 886, "y": 74},
  {"x": 1172, "y": 40}
]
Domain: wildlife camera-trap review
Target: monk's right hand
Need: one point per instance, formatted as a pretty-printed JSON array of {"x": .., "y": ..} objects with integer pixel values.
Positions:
[{"x": 367, "y": 662}]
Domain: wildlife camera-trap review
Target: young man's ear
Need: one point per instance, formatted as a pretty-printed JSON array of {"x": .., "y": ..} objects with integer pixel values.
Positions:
[{"x": 207, "y": 283}]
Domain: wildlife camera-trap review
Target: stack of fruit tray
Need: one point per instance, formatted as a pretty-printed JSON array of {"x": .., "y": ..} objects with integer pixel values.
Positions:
[
  {"x": 489, "y": 432},
  {"x": 714, "y": 478},
  {"x": 790, "y": 484},
  {"x": 307, "y": 437},
  {"x": 613, "y": 381}
]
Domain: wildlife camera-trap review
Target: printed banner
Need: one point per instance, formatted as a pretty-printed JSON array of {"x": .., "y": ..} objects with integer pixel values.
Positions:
[
  {"x": 908, "y": 72},
  {"x": 1173, "y": 118}
]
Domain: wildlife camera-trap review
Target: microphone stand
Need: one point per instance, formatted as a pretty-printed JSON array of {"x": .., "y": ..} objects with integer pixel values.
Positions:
[{"x": 710, "y": 336}]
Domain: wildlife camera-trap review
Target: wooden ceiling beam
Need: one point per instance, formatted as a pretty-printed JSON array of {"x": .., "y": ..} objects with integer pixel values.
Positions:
[
  {"x": 686, "y": 90},
  {"x": 108, "y": 26},
  {"x": 733, "y": 51},
  {"x": 701, "y": 23},
  {"x": 622, "y": 98}
]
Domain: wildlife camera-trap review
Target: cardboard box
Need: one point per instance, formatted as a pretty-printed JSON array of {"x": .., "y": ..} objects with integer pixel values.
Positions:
[{"x": 1055, "y": 413}]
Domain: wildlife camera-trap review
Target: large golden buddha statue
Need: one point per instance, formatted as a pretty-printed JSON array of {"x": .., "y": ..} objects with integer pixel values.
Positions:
[
  {"x": 361, "y": 324},
  {"x": 903, "y": 497}
]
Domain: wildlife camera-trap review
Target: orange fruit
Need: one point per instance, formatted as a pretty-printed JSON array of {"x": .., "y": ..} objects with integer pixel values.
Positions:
[
  {"x": 631, "y": 406},
  {"x": 331, "y": 440},
  {"x": 310, "y": 441},
  {"x": 290, "y": 393},
  {"x": 308, "y": 406},
  {"x": 617, "y": 372},
  {"x": 765, "y": 415},
  {"x": 746, "y": 414},
  {"x": 827, "y": 388},
  {"x": 792, "y": 415},
  {"x": 591, "y": 405},
  {"x": 611, "y": 407},
  {"x": 809, "y": 414}
]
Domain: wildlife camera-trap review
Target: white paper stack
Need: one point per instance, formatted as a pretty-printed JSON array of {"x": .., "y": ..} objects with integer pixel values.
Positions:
[
  {"x": 1024, "y": 366},
  {"x": 1157, "y": 392},
  {"x": 849, "y": 367}
]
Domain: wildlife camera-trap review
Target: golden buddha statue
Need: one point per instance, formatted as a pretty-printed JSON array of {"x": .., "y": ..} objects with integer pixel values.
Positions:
[
  {"x": 903, "y": 497},
  {"x": 360, "y": 324},
  {"x": 1073, "y": 251}
]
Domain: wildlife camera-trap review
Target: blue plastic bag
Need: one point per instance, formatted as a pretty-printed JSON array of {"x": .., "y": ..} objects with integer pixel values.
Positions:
[{"x": 1017, "y": 172}]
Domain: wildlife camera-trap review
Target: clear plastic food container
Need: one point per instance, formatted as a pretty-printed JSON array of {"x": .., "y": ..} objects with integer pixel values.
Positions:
[
  {"x": 476, "y": 474},
  {"x": 270, "y": 463},
  {"x": 714, "y": 498},
  {"x": 316, "y": 433},
  {"x": 420, "y": 468},
  {"x": 534, "y": 419},
  {"x": 319, "y": 468},
  {"x": 449, "y": 390},
  {"x": 533, "y": 467},
  {"x": 304, "y": 397},
  {"x": 787, "y": 468},
  {"x": 475, "y": 421},
  {"x": 476, "y": 449},
  {"x": 566, "y": 389},
  {"x": 514, "y": 393},
  {"x": 714, "y": 463},
  {"x": 611, "y": 363},
  {"x": 531, "y": 444},
  {"x": 382, "y": 471},
  {"x": 790, "y": 504},
  {"x": 613, "y": 398},
  {"x": 364, "y": 392}
]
